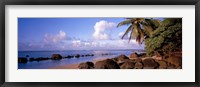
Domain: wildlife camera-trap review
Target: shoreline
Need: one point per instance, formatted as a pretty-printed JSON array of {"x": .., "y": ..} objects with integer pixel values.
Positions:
[
  {"x": 75, "y": 66},
  {"x": 133, "y": 61}
]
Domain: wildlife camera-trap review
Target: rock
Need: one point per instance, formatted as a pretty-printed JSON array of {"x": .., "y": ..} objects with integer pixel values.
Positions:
[
  {"x": 120, "y": 63},
  {"x": 177, "y": 61},
  {"x": 106, "y": 64},
  {"x": 138, "y": 65},
  {"x": 122, "y": 58},
  {"x": 179, "y": 67},
  {"x": 27, "y": 55},
  {"x": 87, "y": 55},
  {"x": 31, "y": 59},
  {"x": 38, "y": 59},
  {"x": 115, "y": 59},
  {"x": 127, "y": 65},
  {"x": 162, "y": 64},
  {"x": 22, "y": 60},
  {"x": 77, "y": 55},
  {"x": 157, "y": 57},
  {"x": 56, "y": 57},
  {"x": 142, "y": 55},
  {"x": 149, "y": 63},
  {"x": 137, "y": 60},
  {"x": 133, "y": 55},
  {"x": 86, "y": 65},
  {"x": 105, "y": 54},
  {"x": 171, "y": 67},
  {"x": 69, "y": 56}
]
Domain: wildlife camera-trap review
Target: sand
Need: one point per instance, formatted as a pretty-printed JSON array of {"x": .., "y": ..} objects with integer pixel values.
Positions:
[{"x": 73, "y": 66}]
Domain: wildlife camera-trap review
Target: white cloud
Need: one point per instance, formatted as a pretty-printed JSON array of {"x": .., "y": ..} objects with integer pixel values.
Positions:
[
  {"x": 76, "y": 43},
  {"x": 94, "y": 44},
  {"x": 61, "y": 36},
  {"x": 100, "y": 29}
]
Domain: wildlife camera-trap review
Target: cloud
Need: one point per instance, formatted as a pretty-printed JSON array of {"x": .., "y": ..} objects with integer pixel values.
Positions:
[
  {"x": 76, "y": 43},
  {"x": 61, "y": 36},
  {"x": 100, "y": 29}
]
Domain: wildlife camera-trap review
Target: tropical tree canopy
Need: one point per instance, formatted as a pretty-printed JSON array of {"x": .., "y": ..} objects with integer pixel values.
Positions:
[
  {"x": 160, "y": 37},
  {"x": 140, "y": 28},
  {"x": 166, "y": 38}
]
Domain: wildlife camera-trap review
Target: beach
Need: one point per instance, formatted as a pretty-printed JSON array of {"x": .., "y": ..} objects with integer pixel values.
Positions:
[
  {"x": 43, "y": 59},
  {"x": 134, "y": 61},
  {"x": 104, "y": 60},
  {"x": 73, "y": 66}
]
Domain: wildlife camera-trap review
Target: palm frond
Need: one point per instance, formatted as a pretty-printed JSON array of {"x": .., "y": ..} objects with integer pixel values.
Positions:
[
  {"x": 130, "y": 18},
  {"x": 129, "y": 28},
  {"x": 135, "y": 31},
  {"x": 147, "y": 28},
  {"x": 126, "y": 22},
  {"x": 130, "y": 36},
  {"x": 140, "y": 36}
]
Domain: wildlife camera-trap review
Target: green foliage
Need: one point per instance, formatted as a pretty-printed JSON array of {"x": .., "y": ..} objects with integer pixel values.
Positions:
[
  {"x": 140, "y": 28},
  {"x": 166, "y": 38}
]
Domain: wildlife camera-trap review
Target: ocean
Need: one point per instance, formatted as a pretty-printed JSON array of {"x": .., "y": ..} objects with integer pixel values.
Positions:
[{"x": 45, "y": 64}]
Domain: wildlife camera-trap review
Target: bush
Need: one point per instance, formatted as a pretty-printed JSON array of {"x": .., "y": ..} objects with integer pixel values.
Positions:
[{"x": 166, "y": 38}]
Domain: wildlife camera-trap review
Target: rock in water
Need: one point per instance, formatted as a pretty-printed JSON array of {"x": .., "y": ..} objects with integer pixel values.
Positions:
[
  {"x": 133, "y": 55},
  {"x": 77, "y": 55},
  {"x": 127, "y": 65},
  {"x": 56, "y": 56},
  {"x": 22, "y": 60},
  {"x": 86, "y": 65},
  {"x": 149, "y": 63},
  {"x": 138, "y": 65},
  {"x": 106, "y": 64}
]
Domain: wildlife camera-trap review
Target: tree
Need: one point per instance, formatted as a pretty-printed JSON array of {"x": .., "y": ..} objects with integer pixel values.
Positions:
[
  {"x": 160, "y": 37},
  {"x": 140, "y": 28},
  {"x": 166, "y": 38}
]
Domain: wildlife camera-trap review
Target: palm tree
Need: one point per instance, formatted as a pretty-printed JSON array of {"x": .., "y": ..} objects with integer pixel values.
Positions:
[{"x": 140, "y": 28}]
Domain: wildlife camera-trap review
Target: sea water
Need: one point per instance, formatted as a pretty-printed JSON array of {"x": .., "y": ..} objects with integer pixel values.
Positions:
[{"x": 45, "y": 64}]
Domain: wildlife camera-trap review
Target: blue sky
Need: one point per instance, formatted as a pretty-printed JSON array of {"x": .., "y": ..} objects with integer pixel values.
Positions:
[{"x": 72, "y": 34}]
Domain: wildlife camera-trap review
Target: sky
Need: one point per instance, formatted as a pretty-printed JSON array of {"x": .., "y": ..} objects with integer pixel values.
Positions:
[{"x": 72, "y": 34}]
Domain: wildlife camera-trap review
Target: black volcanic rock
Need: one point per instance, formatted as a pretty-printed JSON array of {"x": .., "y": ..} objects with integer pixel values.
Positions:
[
  {"x": 56, "y": 57},
  {"x": 86, "y": 65},
  {"x": 106, "y": 64},
  {"x": 22, "y": 60}
]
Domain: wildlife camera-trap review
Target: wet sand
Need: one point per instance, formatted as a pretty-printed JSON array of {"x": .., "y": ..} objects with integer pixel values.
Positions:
[{"x": 74, "y": 66}]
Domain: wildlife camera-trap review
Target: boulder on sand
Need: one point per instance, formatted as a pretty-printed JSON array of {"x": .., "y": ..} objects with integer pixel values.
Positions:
[
  {"x": 133, "y": 55},
  {"x": 149, "y": 63},
  {"x": 162, "y": 64},
  {"x": 86, "y": 65},
  {"x": 115, "y": 59},
  {"x": 177, "y": 61},
  {"x": 127, "y": 65},
  {"x": 142, "y": 55},
  {"x": 122, "y": 58},
  {"x": 106, "y": 64},
  {"x": 56, "y": 56},
  {"x": 138, "y": 65},
  {"x": 137, "y": 60}
]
